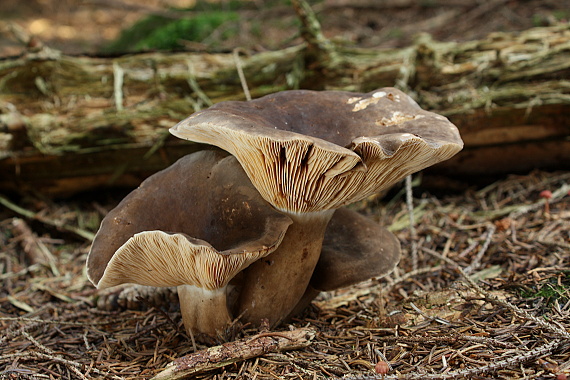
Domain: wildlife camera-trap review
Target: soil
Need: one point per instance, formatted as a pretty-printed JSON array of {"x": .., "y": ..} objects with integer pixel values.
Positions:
[{"x": 482, "y": 290}]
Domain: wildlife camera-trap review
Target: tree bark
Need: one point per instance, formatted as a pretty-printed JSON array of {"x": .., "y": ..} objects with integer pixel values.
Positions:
[{"x": 74, "y": 123}]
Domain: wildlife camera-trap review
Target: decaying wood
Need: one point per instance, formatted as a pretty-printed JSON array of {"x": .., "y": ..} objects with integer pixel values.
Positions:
[
  {"x": 509, "y": 94},
  {"x": 232, "y": 352}
]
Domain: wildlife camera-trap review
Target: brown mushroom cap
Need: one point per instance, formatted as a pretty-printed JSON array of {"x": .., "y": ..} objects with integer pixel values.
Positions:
[
  {"x": 355, "y": 249},
  {"x": 308, "y": 151},
  {"x": 204, "y": 196}
]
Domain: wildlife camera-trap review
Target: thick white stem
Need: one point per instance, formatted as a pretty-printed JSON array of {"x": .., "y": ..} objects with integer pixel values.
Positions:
[
  {"x": 203, "y": 311},
  {"x": 273, "y": 285}
]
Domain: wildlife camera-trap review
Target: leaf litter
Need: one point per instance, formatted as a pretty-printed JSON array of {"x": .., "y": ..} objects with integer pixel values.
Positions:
[{"x": 485, "y": 296}]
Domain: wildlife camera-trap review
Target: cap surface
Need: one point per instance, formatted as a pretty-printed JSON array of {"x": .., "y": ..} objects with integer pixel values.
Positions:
[
  {"x": 204, "y": 199},
  {"x": 355, "y": 249},
  {"x": 308, "y": 151}
]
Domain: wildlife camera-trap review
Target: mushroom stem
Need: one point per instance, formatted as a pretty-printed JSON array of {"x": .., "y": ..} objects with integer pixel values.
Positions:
[
  {"x": 203, "y": 311},
  {"x": 274, "y": 284}
]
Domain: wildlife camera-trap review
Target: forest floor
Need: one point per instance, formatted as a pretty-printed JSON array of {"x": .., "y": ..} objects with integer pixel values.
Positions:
[
  {"x": 427, "y": 320},
  {"x": 482, "y": 290}
]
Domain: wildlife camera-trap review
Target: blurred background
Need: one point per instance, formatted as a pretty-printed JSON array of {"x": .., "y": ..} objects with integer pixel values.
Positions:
[{"x": 116, "y": 26}]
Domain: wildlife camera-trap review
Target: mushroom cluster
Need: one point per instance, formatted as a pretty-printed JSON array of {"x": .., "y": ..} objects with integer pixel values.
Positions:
[{"x": 258, "y": 233}]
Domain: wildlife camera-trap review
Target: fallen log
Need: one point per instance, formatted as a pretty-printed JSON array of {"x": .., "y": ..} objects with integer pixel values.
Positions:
[{"x": 74, "y": 123}]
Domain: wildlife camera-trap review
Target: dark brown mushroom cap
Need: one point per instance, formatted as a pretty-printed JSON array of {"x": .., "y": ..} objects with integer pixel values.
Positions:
[
  {"x": 308, "y": 151},
  {"x": 205, "y": 197},
  {"x": 355, "y": 249}
]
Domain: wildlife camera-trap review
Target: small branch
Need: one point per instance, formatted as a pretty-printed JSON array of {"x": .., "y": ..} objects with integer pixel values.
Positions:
[
  {"x": 35, "y": 250},
  {"x": 34, "y": 355},
  {"x": 555, "y": 243},
  {"x": 450, "y": 338},
  {"x": 32, "y": 215},
  {"x": 241, "y": 74},
  {"x": 50, "y": 353},
  {"x": 477, "y": 260},
  {"x": 409, "y": 275},
  {"x": 118, "y": 75},
  {"x": 428, "y": 317},
  {"x": 494, "y": 299},
  {"x": 470, "y": 372},
  {"x": 232, "y": 352},
  {"x": 319, "y": 46},
  {"x": 19, "y": 33},
  {"x": 193, "y": 83}
]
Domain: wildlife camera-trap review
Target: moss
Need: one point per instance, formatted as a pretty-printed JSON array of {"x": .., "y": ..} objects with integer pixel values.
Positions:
[
  {"x": 395, "y": 33},
  {"x": 163, "y": 33},
  {"x": 551, "y": 290},
  {"x": 561, "y": 15}
]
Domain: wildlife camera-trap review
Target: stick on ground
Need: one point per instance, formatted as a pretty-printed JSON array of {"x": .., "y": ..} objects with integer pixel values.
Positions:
[{"x": 232, "y": 352}]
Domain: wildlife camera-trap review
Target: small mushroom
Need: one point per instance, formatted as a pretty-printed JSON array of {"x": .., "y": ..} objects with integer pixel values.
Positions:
[
  {"x": 309, "y": 153},
  {"x": 194, "y": 225},
  {"x": 355, "y": 249},
  {"x": 546, "y": 195}
]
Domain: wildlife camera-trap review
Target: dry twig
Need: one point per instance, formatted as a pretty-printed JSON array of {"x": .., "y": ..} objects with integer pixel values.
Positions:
[{"x": 228, "y": 353}]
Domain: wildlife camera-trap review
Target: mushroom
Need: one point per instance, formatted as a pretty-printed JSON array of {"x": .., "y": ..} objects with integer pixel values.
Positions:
[
  {"x": 355, "y": 249},
  {"x": 309, "y": 153},
  {"x": 194, "y": 225},
  {"x": 546, "y": 195}
]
